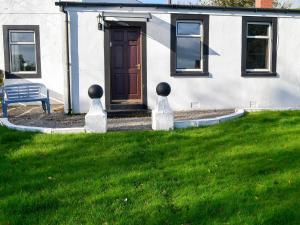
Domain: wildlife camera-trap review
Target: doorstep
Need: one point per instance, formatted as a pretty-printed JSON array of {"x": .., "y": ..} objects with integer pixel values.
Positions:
[{"x": 127, "y": 113}]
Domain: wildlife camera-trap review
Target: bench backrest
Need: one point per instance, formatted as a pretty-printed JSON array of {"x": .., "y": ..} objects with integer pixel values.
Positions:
[{"x": 17, "y": 92}]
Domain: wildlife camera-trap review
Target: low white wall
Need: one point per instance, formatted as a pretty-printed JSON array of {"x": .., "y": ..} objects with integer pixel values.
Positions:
[
  {"x": 225, "y": 88},
  {"x": 50, "y": 20}
]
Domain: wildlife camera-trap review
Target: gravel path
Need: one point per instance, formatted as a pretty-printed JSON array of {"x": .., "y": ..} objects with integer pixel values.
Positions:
[{"x": 33, "y": 116}]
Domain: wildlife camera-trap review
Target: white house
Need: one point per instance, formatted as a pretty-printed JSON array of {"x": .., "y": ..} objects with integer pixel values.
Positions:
[{"x": 213, "y": 57}]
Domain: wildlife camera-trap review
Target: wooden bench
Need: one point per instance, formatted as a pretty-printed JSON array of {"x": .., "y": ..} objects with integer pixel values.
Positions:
[{"x": 29, "y": 92}]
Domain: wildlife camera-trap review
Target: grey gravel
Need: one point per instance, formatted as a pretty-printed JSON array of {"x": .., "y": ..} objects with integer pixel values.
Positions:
[{"x": 34, "y": 116}]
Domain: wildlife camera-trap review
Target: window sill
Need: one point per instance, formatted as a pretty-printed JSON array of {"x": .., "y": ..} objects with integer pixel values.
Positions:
[
  {"x": 190, "y": 74},
  {"x": 22, "y": 75},
  {"x": 259, "y": 74}
]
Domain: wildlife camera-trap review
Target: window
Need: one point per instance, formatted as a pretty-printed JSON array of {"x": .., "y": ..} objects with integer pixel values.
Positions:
[
  {"x": 259, "y": 46},
  {"x": 22, "y": 55},
  {"x": 22, "y": 51},
  {"x": 189, "y": 45}
]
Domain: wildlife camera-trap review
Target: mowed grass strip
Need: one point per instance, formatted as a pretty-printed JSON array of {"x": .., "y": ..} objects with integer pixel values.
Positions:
[{"x": 246, "y": 171}]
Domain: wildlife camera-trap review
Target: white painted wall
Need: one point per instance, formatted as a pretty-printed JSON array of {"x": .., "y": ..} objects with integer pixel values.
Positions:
[
  {"x": 225, "y": 88},
  {"x": 87, "y": 58},
  {"x": 50, "y": 20}
]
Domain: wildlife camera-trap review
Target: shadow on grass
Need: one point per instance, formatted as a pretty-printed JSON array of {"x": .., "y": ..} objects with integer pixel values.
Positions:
[{"x": 241, "y": 172}]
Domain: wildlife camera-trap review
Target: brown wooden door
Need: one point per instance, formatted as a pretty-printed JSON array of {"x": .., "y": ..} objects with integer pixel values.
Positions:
[{"x": 125, "y": 64}]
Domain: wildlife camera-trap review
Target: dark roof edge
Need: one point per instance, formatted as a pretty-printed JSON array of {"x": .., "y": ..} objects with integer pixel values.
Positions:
[{"x": 166, "y": 6}]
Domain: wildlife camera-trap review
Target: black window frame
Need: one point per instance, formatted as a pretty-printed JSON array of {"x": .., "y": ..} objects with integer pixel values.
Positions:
[
  {"x": 8, "y": 73},
  {"x": 186, "y": 17},
  {"x": 273, "y": 64}
]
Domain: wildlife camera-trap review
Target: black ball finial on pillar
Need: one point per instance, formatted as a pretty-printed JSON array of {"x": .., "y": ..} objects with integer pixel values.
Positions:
[
  {"x": 163, "y": 89},
  {"x": 95, "y": 91}
]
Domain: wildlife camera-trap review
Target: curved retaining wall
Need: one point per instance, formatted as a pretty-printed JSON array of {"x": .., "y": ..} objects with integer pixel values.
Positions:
[
  {"x": 6, "y": 123},
  {"x": 208, "y": 122}
]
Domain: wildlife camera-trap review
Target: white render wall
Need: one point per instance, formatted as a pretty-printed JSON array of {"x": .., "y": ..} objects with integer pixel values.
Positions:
[
  {"x": 87, "y": 58},
  {"x": 50, "y": 20},
  {"x": 225, "y": 88}
]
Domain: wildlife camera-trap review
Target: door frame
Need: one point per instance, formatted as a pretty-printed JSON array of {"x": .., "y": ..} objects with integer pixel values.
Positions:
[{"x": 107, "y": 59}]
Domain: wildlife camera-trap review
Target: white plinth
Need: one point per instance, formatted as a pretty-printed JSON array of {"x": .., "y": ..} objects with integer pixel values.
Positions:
[
  {"x": 162, "y": 115},
  {"x": 96, "y": 118}
]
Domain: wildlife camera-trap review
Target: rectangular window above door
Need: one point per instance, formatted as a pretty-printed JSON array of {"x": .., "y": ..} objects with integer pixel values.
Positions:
[
  {"x": 189, "y": 45},
  {"x": 22, "y": 51},
  {"x": 259, "y": 45}
]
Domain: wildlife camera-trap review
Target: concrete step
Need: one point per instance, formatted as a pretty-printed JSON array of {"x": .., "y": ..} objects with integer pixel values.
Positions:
[
  {"x": 127, "y": 106},
  {"x": 123, "y": 113}
]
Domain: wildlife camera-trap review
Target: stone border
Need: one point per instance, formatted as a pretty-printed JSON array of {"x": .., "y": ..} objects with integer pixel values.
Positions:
[
  {"x": 208, "y": 122},
  {"x": 6, "y": 123},
  {"x": 76, "y": 130}
]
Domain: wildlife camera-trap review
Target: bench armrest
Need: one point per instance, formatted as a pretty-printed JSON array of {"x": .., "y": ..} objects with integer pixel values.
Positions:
[
  {"x": 2, "y": 94},
  {"x": 44, "y": 92}
]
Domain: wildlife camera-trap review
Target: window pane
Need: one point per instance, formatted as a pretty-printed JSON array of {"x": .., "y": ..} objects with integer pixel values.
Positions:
[
  {"x": 186, "y": 28},
  {"x": 23, "y": 58},
  {"x": 257, "y": 53},
  {"x": 22, "y": 36},
  {"x": 188, "y": 53},
  {"x": 258, "y": 29}
]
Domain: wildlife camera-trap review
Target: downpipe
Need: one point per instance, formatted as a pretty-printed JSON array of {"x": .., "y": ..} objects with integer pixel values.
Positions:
[{"x": 68, "y": 64}]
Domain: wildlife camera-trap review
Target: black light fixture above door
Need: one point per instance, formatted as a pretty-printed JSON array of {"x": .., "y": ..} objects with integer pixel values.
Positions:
[{"x": 100, "y": 22}]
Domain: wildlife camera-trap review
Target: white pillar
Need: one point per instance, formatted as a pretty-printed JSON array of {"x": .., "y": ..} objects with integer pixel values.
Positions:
[
  {"x": 96, "y": 118},
  {"x": 162, "y": 115}
]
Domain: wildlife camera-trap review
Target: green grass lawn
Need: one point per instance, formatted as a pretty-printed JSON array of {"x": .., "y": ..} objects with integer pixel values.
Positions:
[{"x": 246, "y": 171}]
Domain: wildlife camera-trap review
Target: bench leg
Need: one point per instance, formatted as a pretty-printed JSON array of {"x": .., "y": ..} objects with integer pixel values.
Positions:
[
  {"x": 44, "y": 106},
  {"x": 48, "y": 107},
  {"x": 4, "y": 110},
  {"x": 48, "y": 102}
]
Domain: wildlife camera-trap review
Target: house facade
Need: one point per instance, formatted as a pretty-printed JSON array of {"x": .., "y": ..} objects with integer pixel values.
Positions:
[{"x": 212, "y": 57}]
